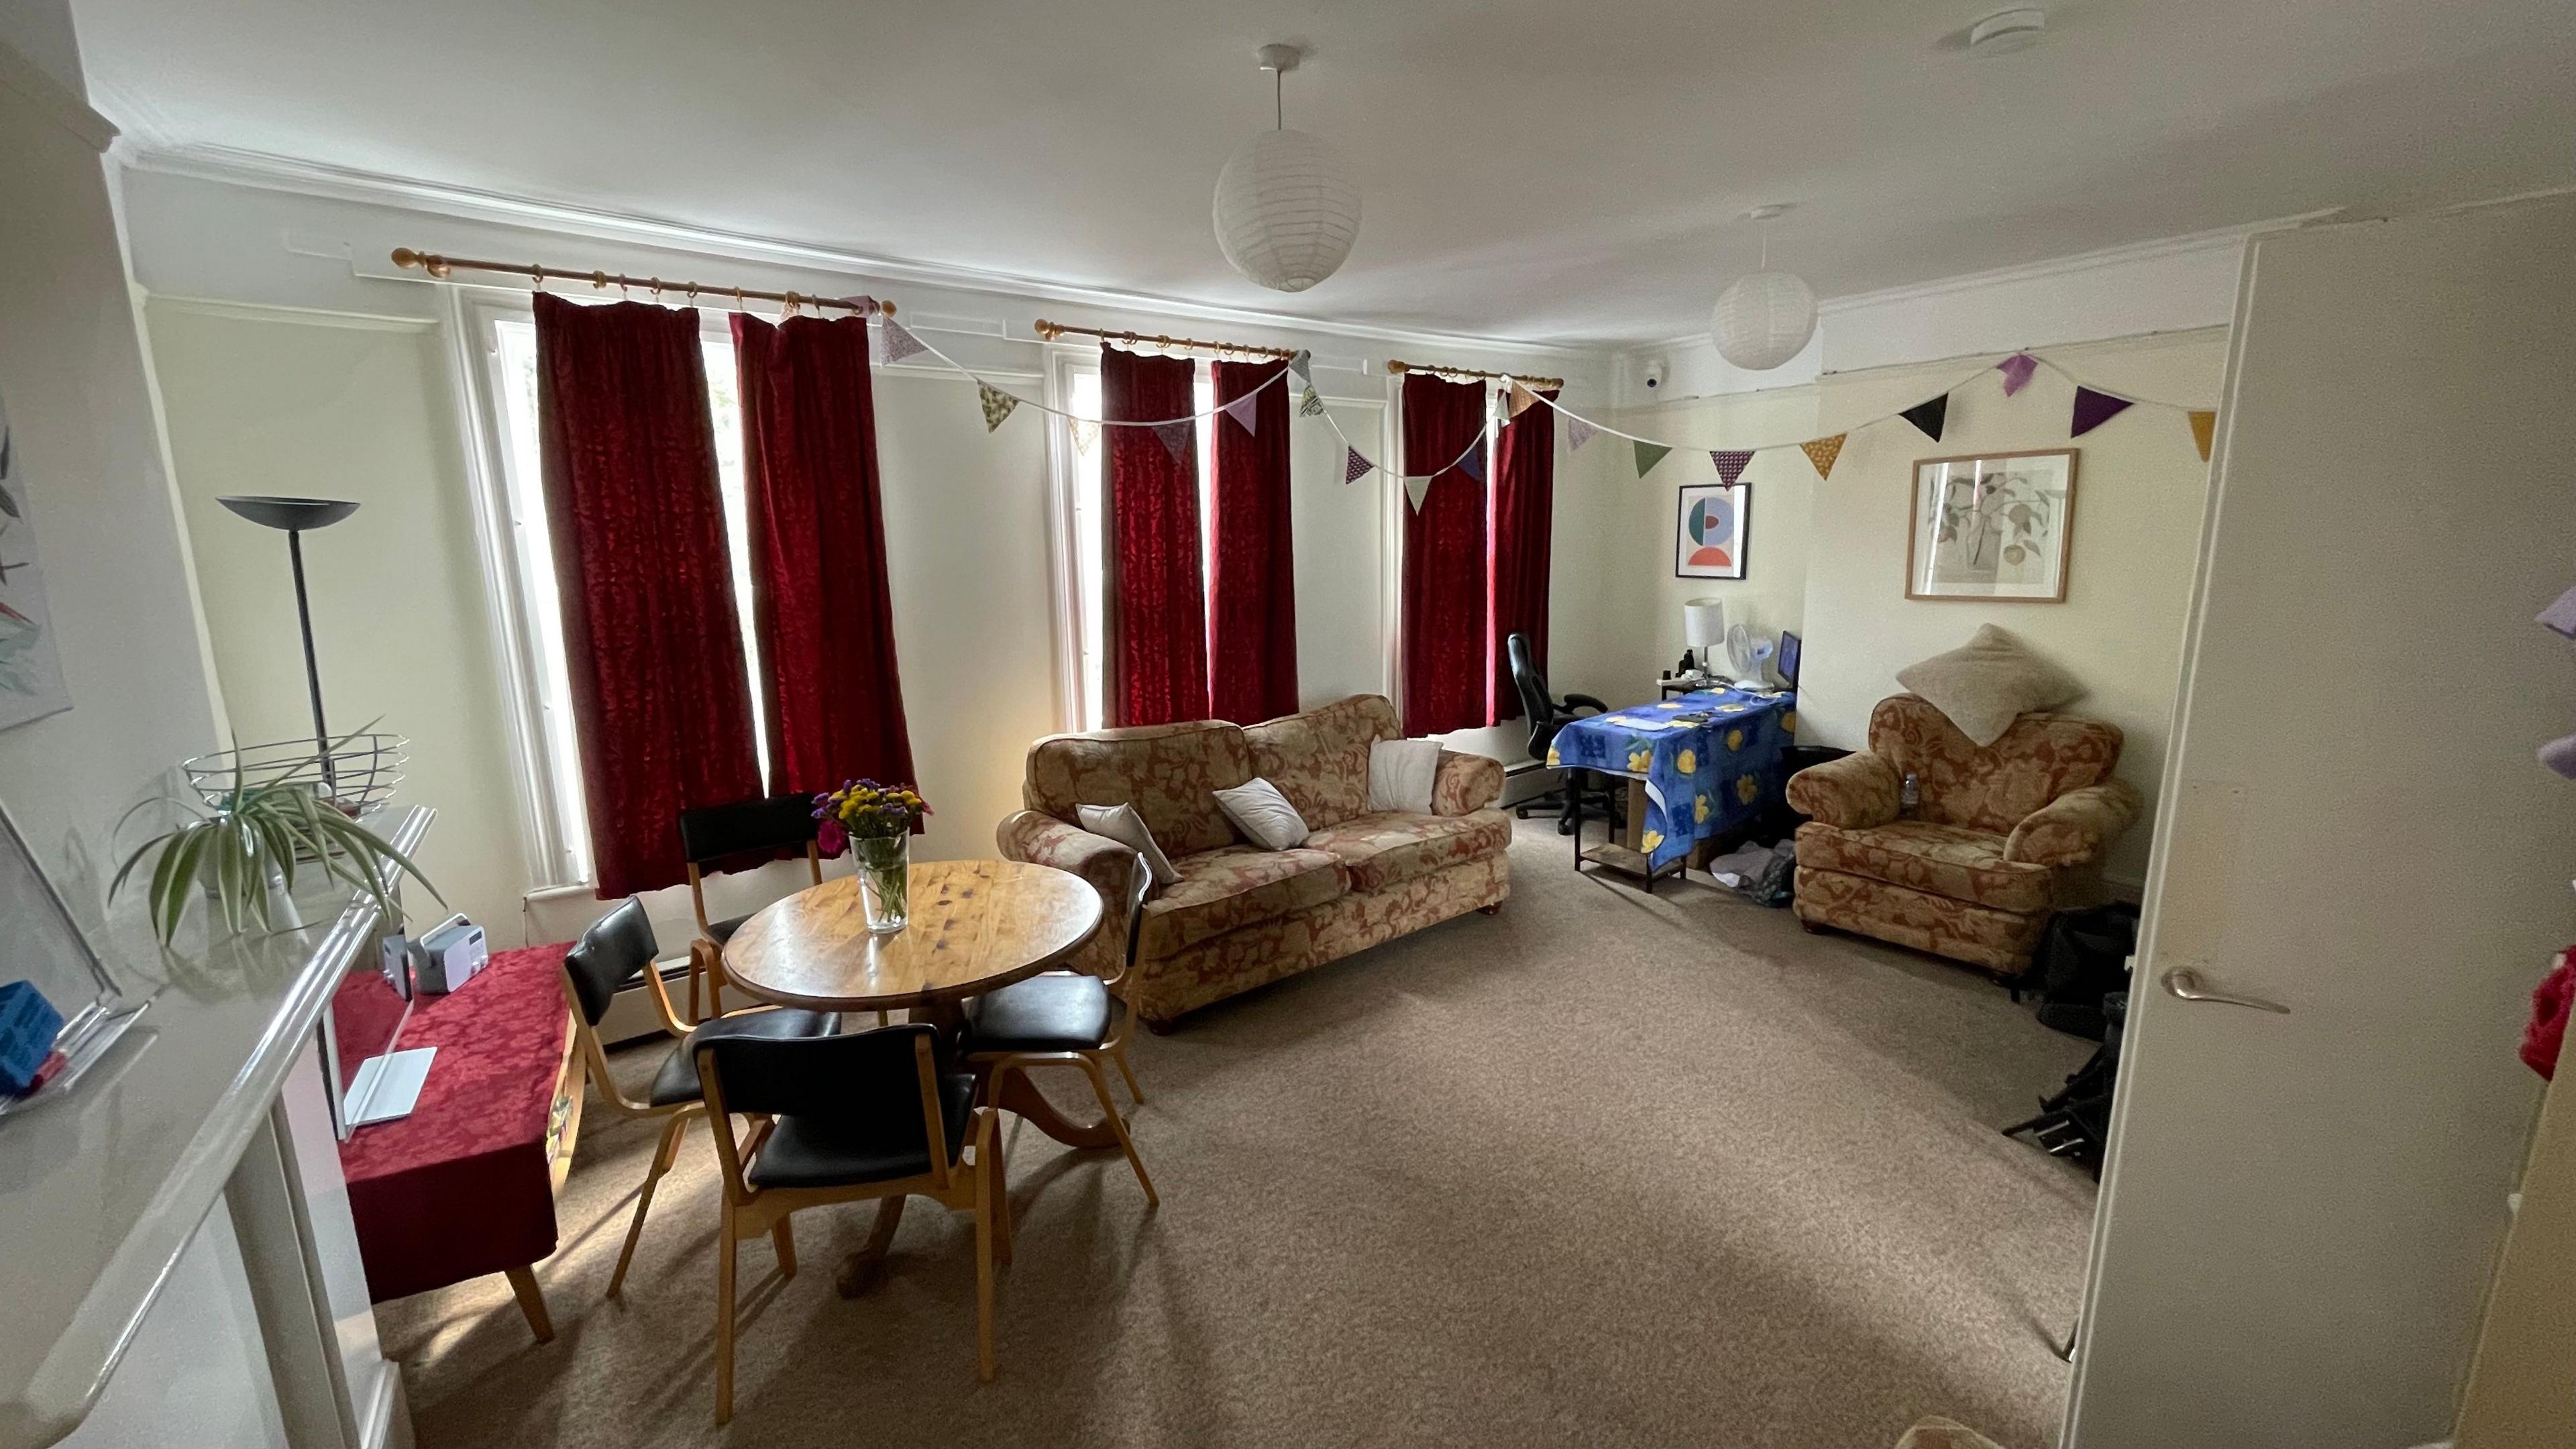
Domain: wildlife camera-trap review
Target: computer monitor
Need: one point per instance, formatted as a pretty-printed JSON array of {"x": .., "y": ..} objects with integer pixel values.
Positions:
[{"x": 1786, "y": 661}]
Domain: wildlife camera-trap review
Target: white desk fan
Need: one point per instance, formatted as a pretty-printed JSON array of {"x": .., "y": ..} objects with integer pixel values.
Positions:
[{"x": 1746, "y": 654}]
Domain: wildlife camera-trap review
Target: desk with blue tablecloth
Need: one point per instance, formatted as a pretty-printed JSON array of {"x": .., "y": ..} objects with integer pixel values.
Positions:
[{"x": 1703, "y": 763}]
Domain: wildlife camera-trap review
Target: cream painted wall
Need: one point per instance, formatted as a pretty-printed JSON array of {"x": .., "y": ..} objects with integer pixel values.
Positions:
[
  {"x": 263, "y": 400},
  {"x": 2139, "y": 490}
]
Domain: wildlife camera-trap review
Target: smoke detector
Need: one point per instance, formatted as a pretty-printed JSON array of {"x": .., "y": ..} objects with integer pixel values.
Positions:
[{"x": 2007, "y": 31}]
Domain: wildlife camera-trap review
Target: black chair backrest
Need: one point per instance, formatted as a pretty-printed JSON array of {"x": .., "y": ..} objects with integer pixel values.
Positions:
[
  {"x": 716, "y": 831},
  {"x": 1535, "y": 701},
  {"x": 867, "y": 1079},
  {"x": 1138, "y": 888},
  {"x": 618, "y": 948}
]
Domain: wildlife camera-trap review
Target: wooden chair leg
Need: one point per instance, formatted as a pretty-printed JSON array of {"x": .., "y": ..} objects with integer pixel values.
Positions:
[
  {"x": 532, "y": 1302},
  {"x": 1118, "y": 1124},
  {"x": 785, "y": 1240},
  {"x": 697, "y": 965},
  {"x": 664, "y": 1155},
  {"x": 1118, "y": 1054},
  {"x": 1002, "y": 1227},
  {"x": 987, "y": 1192},
  {"x": 724, "y": 1317}
]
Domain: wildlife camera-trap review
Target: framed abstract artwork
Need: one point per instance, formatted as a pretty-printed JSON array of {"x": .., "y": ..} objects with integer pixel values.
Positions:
[
  {"x": 1994, "y": 527},
  {"x": 1709, "y": 537}
]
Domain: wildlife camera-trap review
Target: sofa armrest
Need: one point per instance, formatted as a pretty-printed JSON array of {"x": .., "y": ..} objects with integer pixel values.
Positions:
[
  {"x": 2074, "y": 827},
  {"x": 1108, "y": 866},
  {"x": 1465, "y": 784},
  {"x": 1853, "y": 793}
]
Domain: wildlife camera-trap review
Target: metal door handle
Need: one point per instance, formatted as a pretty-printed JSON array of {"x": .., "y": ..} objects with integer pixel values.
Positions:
[{"x": 2184, "y": 982}]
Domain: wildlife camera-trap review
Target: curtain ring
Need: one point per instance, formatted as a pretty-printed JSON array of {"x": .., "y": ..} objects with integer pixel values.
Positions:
[
  {"x": 693, "y": 294},
  {"x": 737, "y": 299},
  {"x": 790, "y": 310},
  {"x": 655, "y": 286},
  {"x": 540, "y": 274},
  {"x": 599, "y": 281}
]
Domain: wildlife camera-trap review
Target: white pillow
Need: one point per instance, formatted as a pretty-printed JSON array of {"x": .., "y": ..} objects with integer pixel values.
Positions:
[
  {"x": 1121, "y": 823},
  {"x": 1401, "y": 773},
  {"x": 1263, "y": 815},
  {"x": 1988, "y": 682}
]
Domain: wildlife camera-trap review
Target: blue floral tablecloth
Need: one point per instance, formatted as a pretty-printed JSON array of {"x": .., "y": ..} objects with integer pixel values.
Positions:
[{"x": 1710, "y": 760}]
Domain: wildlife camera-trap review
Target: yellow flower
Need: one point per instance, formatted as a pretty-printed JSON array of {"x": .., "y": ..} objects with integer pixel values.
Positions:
[
  {"x": 1789, "y": 720},
  {"x": 1699, "y": 809},
  {"x": 1650, "y": 840},
  {"x": 1747, "y": 787},
  {"x": 1552, "y": 761},
  {"x": 1735, "y": 739},
  {"x": 1733, "y": 708},
  {"x": 1638, "y": 760},
  {"x": 1670, "y": 704},
  {"x": 1686, "y": 762}
]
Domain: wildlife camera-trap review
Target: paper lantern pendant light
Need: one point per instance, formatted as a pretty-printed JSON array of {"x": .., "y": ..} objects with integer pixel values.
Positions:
[
  {"x": 1763, "y": 318},
  {"x": 1287, "y": 210}
]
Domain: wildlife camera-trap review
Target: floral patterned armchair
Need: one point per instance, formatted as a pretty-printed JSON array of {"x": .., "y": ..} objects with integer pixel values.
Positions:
[{"x": 1997, "y": 838}]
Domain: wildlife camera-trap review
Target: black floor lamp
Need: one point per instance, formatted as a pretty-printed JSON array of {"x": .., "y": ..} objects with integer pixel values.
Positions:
[{"x": 297, "y": 516}]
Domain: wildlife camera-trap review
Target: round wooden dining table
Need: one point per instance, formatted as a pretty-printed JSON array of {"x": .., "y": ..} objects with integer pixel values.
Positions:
[{"x": 975, "y": 926}]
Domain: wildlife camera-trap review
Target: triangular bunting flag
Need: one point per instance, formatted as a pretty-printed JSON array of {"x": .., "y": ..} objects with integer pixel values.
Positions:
[
  {"x": 1414, "y": 488},
  {"x": 1303, "y": 364},
  {"x": 1310, "y": 406},
  {"x": 1354, "y": 467},
  {"x": 2017, "y": 370},
  {"x": 1730, "y": 463},
  {"x": 1577, "y": 432},
  {"x": 2204, "y": 422},
  {"x": 997, "y": 404},
  {"x": 1929, "y": 416},
  {"x": 1247, "y": 411},
  {"x": 2093, "y": 409},
  {"x": 1473, "y": 465},
  {"x": 1522, "y": 399},
  {"x": 1176, "y": 439},
  {"x": 895, "y": 342},
  {"x": 1085, "y": 433},
  {"x": 1648, "y": 455},
  {"x": 1823, "y": 451}
]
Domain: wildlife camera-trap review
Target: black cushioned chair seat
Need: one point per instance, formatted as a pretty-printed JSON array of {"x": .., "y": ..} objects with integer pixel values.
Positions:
[
  {"x": 802, "y": 1152},
  {"x": 722, "y": 931},
  {"x": 677, "y": 1081},
  {"x": 1060, "y": 1011}
]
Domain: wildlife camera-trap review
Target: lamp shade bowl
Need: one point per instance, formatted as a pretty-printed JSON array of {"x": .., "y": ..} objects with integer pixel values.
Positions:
[{"x": 293, "y": 514}]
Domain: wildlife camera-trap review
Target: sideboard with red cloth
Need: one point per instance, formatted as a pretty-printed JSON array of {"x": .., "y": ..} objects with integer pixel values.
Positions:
[{"x": 465, "y": 1185}]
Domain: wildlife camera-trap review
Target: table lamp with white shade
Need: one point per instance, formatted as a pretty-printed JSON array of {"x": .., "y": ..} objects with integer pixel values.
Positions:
[{"x": 1704, "y": 629}]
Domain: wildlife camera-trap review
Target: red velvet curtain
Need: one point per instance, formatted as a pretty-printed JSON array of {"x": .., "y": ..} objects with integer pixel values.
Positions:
[
  {"x": 1444, "y": 622},
  {"x": 1524, "y": 518},
  {"x": 1252, "y": 592},
  {"x": 821, "y": 607},
  {"x": 651, "y": 640},
  {"x": 1155, "y": 610}
]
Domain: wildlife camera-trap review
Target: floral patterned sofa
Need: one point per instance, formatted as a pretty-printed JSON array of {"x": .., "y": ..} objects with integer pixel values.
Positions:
[
  {"x": 1999, "y": 837},
  {"x": 1241, "y": 916}
]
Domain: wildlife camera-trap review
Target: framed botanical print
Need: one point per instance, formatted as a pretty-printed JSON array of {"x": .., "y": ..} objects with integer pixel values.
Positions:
[
  {"x": 1995, "y": 526},
  {"x": 1709, "y": 537}
]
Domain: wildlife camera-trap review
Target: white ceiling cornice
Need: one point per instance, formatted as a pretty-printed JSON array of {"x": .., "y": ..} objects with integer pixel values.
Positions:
[{"x": 236, "y": 167}]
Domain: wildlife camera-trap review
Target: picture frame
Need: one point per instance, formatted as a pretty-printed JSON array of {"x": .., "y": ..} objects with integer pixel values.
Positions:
[
  {"x": 1995, "y": 528},
  {"x": 1712, "y": 529}
]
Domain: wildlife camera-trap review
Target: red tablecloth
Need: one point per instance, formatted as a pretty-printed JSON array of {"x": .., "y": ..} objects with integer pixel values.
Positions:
[{"x": 462, "y": 1187}]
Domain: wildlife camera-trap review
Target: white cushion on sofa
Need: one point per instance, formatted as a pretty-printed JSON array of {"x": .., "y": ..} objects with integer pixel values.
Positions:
[
  {"x": 1263, "y": 815},
  {"x": 1402, "y": 774},
  {"x": 1121, "y": 823}
]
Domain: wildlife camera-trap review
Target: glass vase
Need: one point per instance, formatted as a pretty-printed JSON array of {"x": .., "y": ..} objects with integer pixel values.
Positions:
[{"x": 885, "y": 878}]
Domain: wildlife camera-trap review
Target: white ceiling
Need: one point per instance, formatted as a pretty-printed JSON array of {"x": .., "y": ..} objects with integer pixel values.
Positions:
[{"x": 1558, "y": 172}]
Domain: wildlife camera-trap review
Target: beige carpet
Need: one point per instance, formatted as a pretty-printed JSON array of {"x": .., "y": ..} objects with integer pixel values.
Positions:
[{"x": 1602, "y": 1170}]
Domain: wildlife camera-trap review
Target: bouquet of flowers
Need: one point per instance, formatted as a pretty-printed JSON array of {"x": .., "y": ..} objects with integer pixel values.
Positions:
[{"x": 874, "y": 823}]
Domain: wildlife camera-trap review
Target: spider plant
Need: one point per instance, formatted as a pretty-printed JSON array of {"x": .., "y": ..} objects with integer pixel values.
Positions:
[{"x": 244, "y": 851}]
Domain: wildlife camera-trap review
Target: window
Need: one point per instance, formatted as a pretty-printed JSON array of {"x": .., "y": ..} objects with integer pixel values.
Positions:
[
  {"x": 555, "y": 777},
  {"x": 1081, "y": 388}
]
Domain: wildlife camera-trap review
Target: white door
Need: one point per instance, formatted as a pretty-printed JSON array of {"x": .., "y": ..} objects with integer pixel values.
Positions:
[{"x": 2301, "y": 1211}]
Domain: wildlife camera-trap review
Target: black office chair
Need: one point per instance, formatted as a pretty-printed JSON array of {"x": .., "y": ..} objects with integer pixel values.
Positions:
[
  {"x": 618, "y": 949},
  {"x": 716, "y": 834},
  {"x": 1547, "y": 715}
]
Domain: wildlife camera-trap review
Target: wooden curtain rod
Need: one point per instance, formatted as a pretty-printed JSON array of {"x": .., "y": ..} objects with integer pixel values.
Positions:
[
  {"x": 440, "y": 267},
  {"x": 1396, "y": 366},
  {"x": 1050, "y": 331}
]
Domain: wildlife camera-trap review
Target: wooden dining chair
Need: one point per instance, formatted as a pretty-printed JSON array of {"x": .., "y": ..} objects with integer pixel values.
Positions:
[
  {"x": 1065, "y": 1018},
  {"x": 717, "y": 833},
  {"x": 837, "y": 1119},
  {"x": 616, "y": 949}
]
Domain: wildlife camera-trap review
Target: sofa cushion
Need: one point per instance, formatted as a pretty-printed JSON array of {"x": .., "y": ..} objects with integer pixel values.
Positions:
[
  {"x": 1236, "y": 885},
  {"x": 1942, "y": 860},
  {"x": 1390, "y": 848},
  {"x": 2040, "y": 758},
  {"x": 1320, "y": 759},
  {"x": 1166, "y": 771}
]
